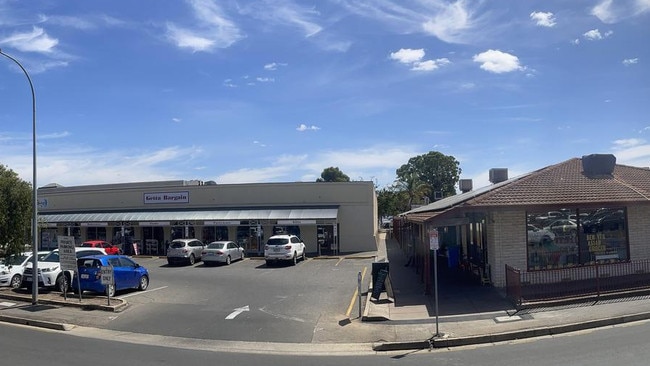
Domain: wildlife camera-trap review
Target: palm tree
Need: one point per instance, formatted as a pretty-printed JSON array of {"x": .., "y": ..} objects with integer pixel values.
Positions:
[{"x": 413, "y": 187}]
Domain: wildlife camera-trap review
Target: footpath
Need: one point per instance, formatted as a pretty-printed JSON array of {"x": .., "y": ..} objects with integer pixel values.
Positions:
[{"x": 467, "y": 313}]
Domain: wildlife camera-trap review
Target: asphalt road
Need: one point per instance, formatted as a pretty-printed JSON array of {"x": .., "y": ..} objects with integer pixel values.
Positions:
[
  {"x": 245, "y": 301},
  {"x": 618, "y": 345}
]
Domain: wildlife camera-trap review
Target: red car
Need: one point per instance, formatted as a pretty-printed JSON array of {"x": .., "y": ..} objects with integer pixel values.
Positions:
[{"x": 110, "y": 248}]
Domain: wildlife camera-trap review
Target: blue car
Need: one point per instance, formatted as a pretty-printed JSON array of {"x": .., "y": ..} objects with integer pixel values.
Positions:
[{"x": 127, "y": 274}]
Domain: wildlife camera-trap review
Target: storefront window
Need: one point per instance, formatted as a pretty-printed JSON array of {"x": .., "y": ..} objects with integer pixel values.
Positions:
[
  {"x": 96, "y": 233},
  {"x": 214, "y": 233},
  {"x": 182, "y": 232},
  {"x": 565, "y": 238}
]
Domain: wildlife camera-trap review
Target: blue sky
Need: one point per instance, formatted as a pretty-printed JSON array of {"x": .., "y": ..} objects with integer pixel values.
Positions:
[{"x": 278, "y": 90}]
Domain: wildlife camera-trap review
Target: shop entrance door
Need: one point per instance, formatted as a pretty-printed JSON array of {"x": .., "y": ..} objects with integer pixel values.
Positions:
[{"x": 325, "y": 239}]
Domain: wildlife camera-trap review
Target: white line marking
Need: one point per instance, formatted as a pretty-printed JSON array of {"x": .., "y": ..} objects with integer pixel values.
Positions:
[
  {"x": 7, "y": 304},
  {"x": 237, "y": 312},
  {"x": 141, "y": 292}
]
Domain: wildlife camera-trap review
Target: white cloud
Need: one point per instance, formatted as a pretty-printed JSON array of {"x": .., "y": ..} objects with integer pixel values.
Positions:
[
  {"x": 274, "y": 66},
  {"x": 407, "y": 55},
  {"x": 286, "y": 14},
  {"x": 595, "y": 35},
  {"x": 498, "y": 62},
  {"x": 451, "y": 22},
  {"x": 304, "y": 127},
  {"x": 265, "y": 80},
  {"x": 543, "y": 19},
  {"x": 214, "y": 29},
  {"x": 35, "y": 41},
  {"x": 631, "y": 61},
  {"x": 414, "y": 58},
  {"x": 176, "y": 120},
  {"x": 624, "y": 143},
  {"x": 610, "y": 11}
]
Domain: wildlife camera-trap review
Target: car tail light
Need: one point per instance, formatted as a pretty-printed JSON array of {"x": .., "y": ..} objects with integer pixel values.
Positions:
[
  {"x": 287, "y": 247},
  {"x": 219, "y": 252},
  {"x": 204, "y": 253}
]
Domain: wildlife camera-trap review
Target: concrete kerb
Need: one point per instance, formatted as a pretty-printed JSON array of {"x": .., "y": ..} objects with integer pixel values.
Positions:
[
  {"x": 36, "y": 323},
  {"x": 447, "y": 342},
  {"x": 117, "y": 305}
]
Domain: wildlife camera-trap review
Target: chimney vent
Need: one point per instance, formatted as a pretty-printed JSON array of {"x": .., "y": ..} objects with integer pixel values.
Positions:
[
  {"x": 498, "y": 175},
  {"x": 598, "y": 164}
]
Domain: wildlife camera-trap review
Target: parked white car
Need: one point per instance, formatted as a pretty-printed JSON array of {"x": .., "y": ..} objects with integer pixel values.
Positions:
[
  {"x": 49, "y": 269},
  {"x": 12, "y": 268},
  {"x": 222, "y": 252},
  {"x": 184, "y": 251},
  {"x": 284, "y": 248}
]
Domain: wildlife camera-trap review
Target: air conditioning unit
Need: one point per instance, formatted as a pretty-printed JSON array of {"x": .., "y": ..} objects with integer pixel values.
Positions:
[
  {"x": 598, "y": 164},
  {"x": 465, "y": 185},
  {"x": 437, "y": 195},
  {"x": 498, "y": 175}
]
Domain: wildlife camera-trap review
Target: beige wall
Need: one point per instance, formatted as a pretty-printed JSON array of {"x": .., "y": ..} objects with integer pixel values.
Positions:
[
  {"x": 506, "y": 236},
  {"x": 356, "y": 202},
  {"x": 639, "y": 231}
]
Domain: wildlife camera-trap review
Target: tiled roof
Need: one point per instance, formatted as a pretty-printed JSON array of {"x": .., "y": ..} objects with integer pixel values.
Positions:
[
  {"x": 560, "y": 184},
  {"x": 565, "y": 183}
]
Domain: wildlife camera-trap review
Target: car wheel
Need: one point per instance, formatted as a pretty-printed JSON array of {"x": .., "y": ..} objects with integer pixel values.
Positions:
[
  {"x": 242, "y": 256},
  {"x": 16, "y": 280},
  {"x": 228, "y": 260},
  {"x": 304, "y": 255},
  {"x": 192, "y": 259},
  {"x": 62, "y": 283},
  {"x": 294, "y": 260},
  {"x": 144, "y": 283}
]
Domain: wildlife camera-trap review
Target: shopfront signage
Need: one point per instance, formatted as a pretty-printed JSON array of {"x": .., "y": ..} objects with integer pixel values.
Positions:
[
  {"x": 222, "y": 223},
  {"x": 296, "y": 222},
  {"x": 94, "y": 224},
  {"x": 154, "y": 223},
  {"x": 167, "y": 197}
]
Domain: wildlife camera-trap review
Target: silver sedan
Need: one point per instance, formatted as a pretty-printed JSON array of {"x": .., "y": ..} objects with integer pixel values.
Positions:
[{"x": 222, "y": 252}]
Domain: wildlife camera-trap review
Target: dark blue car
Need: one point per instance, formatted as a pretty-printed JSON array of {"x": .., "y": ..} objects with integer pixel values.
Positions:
[{"x": 127, "y": 274}]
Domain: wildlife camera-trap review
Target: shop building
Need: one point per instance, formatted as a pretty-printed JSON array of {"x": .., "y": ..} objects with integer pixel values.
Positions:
[
  {"x": 330, "y": 217},
  {"x": 564, "y": 219}
]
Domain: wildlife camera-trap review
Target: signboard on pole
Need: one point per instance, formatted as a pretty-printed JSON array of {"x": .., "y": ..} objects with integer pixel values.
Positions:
[
  {"x": 434, "y": 243},
  {"x": 67, "y": 256},
  {"x": 106, "y": 275}
]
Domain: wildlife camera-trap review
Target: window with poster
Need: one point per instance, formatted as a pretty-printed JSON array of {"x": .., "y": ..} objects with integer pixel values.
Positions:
[
  {"x": 214, "y": 233},
  {"x": 570, "y": 237}
]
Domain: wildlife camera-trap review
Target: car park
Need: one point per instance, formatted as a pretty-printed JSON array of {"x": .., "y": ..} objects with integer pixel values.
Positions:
[
  {"x": 12, "y": 268},
  {"x": 184, "y": 251},
  {"x": 282, "y": 248},
  {"x": 127, "y": 274},
  {"x": 108, "y": 247},
  {"x": 537, "y": 236},
  {"x": 50, "y": 274},
  {"x": 222, "y": 252}
]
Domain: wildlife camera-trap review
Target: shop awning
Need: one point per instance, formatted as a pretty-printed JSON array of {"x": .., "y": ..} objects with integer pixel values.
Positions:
[{"x": 217, "y": 215}]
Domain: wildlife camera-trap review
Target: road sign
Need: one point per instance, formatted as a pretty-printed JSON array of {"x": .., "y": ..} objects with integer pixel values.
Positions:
[
  {"x": 67, "y": 257},
  {"x": 107, "y": 275}
]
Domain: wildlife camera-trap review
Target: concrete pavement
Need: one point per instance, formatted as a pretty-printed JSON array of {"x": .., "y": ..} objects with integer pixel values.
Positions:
[{"x": 468, "y": 313}]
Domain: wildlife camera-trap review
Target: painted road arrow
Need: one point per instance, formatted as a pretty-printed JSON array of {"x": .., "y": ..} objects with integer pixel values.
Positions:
[{"x": 237, "y": 312}]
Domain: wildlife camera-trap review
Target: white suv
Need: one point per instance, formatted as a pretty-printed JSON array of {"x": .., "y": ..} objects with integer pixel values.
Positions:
[
  {"x": 284, "y": 248},
  {"x": 50, "y": 273}
]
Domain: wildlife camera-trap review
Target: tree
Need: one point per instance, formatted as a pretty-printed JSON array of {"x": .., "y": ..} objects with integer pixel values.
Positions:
[
  {"x": 414, "y": 188},
  {"x": 438, "y": 171},
  {"x": 333, "y": 174},
  {"x": 15, "y": 212},
  {"x": 391, "y": 201}
]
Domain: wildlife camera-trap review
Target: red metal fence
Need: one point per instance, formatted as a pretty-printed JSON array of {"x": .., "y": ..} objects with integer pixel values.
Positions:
[{"x": 574, "y": 282}]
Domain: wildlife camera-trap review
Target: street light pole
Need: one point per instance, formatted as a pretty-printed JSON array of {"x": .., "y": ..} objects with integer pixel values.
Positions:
[{"x": 34, "y": 188}]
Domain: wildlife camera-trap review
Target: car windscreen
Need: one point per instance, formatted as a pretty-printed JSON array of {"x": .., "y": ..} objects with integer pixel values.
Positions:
[
  {"x": 52, "y": 257},
  {"x": 277, "y": 241},
  {"x": 215, "y": 246},
  {"x": 15, "y": 260}
]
